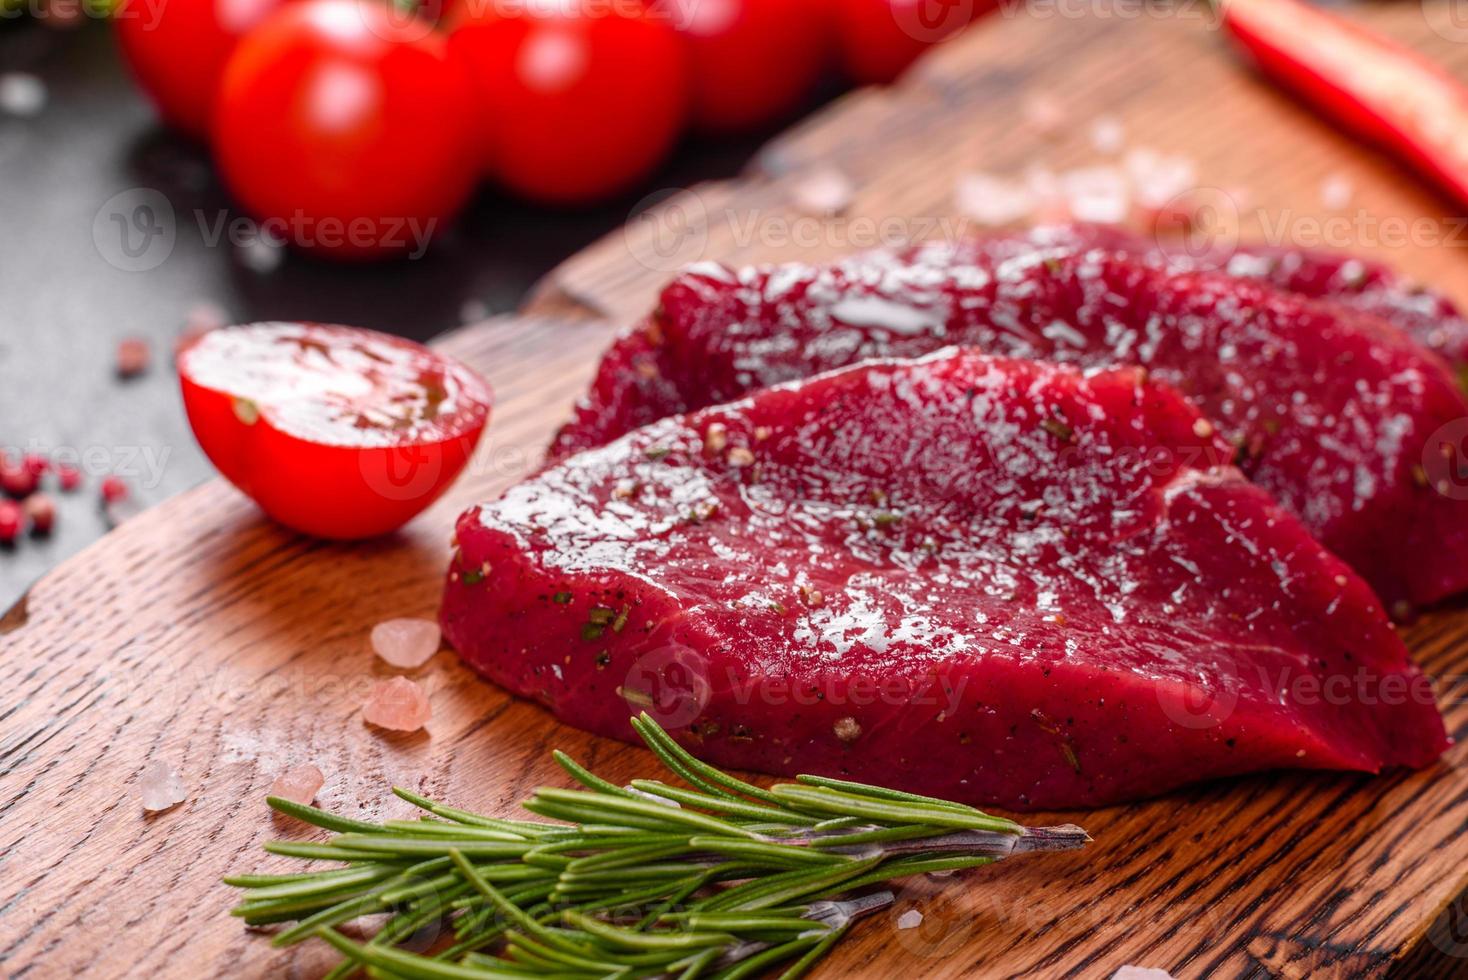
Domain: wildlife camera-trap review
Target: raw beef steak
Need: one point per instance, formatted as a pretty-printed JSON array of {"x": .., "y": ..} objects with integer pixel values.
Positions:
[
  {"x": 994, "y": 580},
  {"x": 1340, "y": 415},
  {"x": 1369, "y": 287}
]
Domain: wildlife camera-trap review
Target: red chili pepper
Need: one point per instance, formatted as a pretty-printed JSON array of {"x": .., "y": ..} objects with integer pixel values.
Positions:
[{"x": 1374, "y": 87}]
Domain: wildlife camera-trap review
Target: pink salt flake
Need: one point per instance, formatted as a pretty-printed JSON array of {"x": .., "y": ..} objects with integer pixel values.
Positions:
[
  {"x": 1140, "y": 973},
  {"x": 298, "y": 784},
  {"x": 824, "y": 193},
  {"x": 1335, "y": 192},
  {"x": 1107, "y": 135},
  {"x": 406, "y": 643},
  {"x": 1043, "y": 113},
  {"x": 991, "y": 200},
  {"x": 910, "y": 919},
  {"x": 160, "y": 787},
  {"x": 398, "y": 704}
]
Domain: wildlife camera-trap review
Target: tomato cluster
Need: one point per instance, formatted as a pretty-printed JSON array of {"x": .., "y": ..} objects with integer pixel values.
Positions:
[{"x": 347, "y": 124}]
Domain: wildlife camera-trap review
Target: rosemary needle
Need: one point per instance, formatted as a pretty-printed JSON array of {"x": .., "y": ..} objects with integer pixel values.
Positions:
[{"x": 722, "y": 880}]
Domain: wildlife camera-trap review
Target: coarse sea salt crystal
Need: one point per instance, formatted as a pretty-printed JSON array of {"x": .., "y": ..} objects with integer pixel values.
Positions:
[
  {"x": 397, "y": 704},
  {"x": 1157, "y": 178},
  {"x": 1335, "y": 192},
  {"x": 1107, "y": 135},
  {"x": 161, "y": 788},
  {"x": 824, "y": 193},
  {"x": 991, "y": 200},
  {"x": 910, "y": 919},
  {"x": 1099, "y": 194},
  {"x": 1140, "y": 973},
  {"x": 22, "y": 94},
  {"x": 299, "y": 784},
  {"x": 261, "y": 255},
  {"x": 1043, "y": 113},
  {"x": 406, "y": 643},
  {"x": 473, "y": 311}
]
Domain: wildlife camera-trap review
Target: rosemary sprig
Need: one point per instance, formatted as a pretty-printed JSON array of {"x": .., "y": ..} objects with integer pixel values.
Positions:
[{"x": 720, "y": 881}]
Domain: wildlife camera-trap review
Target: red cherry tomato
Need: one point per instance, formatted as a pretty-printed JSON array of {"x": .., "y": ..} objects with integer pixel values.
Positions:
[
  {"x": 177, "y": 50},
  {"x": 334, "y": 431},
  {"x": 346, "y": 128},
  {"x": 580, "y": 100},
  {"x": 880, "y": 38},
  {"x": 753, "y": 60}
]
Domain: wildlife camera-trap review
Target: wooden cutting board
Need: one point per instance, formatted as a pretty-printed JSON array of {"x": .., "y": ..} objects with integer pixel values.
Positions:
[{"x": 201, "y": 635}]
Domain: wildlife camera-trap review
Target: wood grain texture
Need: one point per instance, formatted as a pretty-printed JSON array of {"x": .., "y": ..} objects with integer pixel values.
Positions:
[
  {"x": 1165, "y": 75},
  {"x": 202, "y": 635}
]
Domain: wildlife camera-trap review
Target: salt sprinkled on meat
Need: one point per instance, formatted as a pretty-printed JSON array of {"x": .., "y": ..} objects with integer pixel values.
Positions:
[
  {"x": 397, "y": 704},
  {"x": 160, "y": 787},
  {"x": 910, "y": 919},
  {"x": 298, "y": 784},
  {"x": 406, "y": 643}
]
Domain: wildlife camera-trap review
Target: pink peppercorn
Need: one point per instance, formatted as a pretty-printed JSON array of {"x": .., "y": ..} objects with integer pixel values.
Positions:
[
  {"x": 69, "y": 477},
  {"x": 114, "y": 489},
  {"x": 133, "y": 357},
  {"x": 11, "y": 519},
  {"x": 17, "y": 481},
  {"x": 41, "y": 510}
]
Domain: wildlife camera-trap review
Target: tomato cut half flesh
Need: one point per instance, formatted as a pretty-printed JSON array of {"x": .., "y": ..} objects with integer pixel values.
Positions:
[{"x": 334, "y": 431}]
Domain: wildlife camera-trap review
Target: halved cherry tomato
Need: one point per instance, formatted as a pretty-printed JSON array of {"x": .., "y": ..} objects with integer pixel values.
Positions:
[
  {"x": 753, "y": 60},
  {"x": 346, "y": 128},
  {"x": 335, "y": 431},
  {"x": 880, "y": 38},
  {"x": 579, "y": 100},
  {"x": 177, "y": 50}
]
